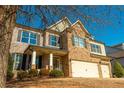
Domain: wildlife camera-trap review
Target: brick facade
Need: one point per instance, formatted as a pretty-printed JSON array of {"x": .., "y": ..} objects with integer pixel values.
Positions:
[
  {"x": 79, "y": 53},
  {"x": 66, "y": 44}
]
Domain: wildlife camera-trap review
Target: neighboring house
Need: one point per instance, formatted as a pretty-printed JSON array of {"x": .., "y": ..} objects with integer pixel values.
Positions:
[
  {"x": 63, "y": 46},
  {"x": 116, "y": 53}
]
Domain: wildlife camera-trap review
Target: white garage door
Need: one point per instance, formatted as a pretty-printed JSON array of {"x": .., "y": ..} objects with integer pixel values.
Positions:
[
  {"x": 105, "y": 71},
  {"x": 84, "y": 69}
]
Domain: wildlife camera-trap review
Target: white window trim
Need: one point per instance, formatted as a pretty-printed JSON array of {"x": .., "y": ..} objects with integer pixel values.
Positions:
[
  {"x": 20, "y": 29},
  {"x": 14, "y": 61},
  {"x": 96, "y": 52},
  {"x": 29, "y": 37},
  {"x": 56, "y": 41},
  {"x": 32, "y": 38},
  {"x": 15, "y": 55},
  {"x": 79, "y": 42},
  {"x": 26, "y": 37}
]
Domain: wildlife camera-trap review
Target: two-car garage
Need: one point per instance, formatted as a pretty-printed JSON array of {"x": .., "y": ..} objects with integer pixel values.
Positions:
[{"x": 89, "y": 69}]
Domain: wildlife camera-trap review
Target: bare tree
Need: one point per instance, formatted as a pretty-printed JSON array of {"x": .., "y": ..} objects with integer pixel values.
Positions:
[
  {"x": 7, "y": 20},
  {"x": 46, "y": 15}
]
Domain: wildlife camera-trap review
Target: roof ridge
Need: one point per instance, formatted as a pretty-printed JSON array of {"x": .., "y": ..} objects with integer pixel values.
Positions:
[
  {"x": 118, "y": 44},
  {"x": 114, "y": 47}
]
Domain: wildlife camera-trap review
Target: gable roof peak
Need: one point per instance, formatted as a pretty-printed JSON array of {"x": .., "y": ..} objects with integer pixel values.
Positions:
[
  {"x": 63, "y": 19},
  {"x": 78, "y": 21}
]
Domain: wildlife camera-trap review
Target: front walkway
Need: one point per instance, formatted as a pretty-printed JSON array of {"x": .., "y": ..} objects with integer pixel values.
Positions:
[{"x": 69, "y": 83}]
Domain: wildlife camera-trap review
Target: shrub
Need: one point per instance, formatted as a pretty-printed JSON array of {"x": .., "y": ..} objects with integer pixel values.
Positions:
[
  {"x": 33, "y": 73},
  {"x": 9, "y": 75},
  {"x": 118, "y": 69},
  {"x": 10, "y": 68},
  {"x": 21, "y": 75},
  {"x": 43, "y": 72},
  {"x": 56, "y": 73}
]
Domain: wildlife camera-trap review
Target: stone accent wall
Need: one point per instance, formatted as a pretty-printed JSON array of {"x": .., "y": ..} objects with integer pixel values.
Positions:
[{"x": 33, "y": 66}]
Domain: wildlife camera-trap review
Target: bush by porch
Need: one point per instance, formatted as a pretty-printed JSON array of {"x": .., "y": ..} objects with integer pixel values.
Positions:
[{"x": 34, "y": 73}]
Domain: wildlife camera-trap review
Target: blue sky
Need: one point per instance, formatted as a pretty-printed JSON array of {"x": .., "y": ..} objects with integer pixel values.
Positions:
[{"x": 110, "y": 29}]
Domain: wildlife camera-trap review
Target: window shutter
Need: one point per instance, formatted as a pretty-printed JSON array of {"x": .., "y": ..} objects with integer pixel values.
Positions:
[
  {"x": 58, "y": 41},
  {"x": 73, "y": 41},
  {"x": 100, "y": 51},
  {"x": 38, "y": 39},
  {"x": 85, "y": 44},
  {"x": 19, "y": 35},
  {"x": 48, "y": 39}
]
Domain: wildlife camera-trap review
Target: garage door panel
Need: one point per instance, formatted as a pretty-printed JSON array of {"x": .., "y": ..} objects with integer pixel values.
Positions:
[
  {"x": 105, "y": 71},
  {"x": 76, "y": 66},
  {"x": 84, "y": 69}
]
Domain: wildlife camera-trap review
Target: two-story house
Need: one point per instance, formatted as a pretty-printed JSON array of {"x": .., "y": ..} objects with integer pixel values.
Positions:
[{"x": 63, "y": 46}]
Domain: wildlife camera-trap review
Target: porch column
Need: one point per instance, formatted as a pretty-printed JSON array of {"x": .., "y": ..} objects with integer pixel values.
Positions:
[
  {"x": 51, "y": 61},
  {"x": 33, "y": 66}
]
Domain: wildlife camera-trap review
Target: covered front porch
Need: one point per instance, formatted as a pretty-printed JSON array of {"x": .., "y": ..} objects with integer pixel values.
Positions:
[{"x": 36, "y": 57}]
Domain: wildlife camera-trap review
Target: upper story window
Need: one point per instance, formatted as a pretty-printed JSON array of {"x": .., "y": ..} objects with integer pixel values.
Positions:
[
  {"x": 54, "y": 40},
  {"x": 29, "y": 37},
  {"x": 25, "y": 37},
  {"x": 33, "y": 38},
  {"x": 78, "y": 41},
  {"x": 81, "y": 42},
  {"x": 96, "y": 48}
]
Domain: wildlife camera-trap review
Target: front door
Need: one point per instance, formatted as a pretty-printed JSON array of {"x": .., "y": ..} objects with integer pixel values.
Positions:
[
  {"x": 24, "y": 62},
  {"x": 38, "y": 62}
]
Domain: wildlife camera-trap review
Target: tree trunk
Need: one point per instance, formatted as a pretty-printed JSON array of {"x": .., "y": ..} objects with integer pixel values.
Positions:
[
  {"x": 7, "y": 22},
  {"x": 3, "y": 69}
]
